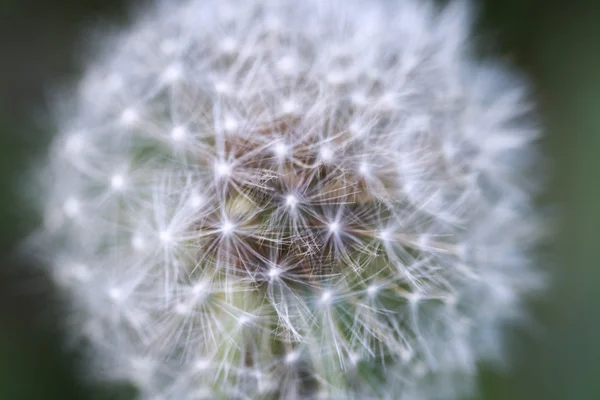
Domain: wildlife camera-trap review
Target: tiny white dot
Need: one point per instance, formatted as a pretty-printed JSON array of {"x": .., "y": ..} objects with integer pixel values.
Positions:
[
  {"x": 81, "y": 273},
  {"x": 182, "y": 309},
  {"x": 71, "y": 207},
  {"x": 222, "y": 87},
  {"x": 173, "y": 73},
  {"x": 356, "y": 130},
  {"x": 274, "y": 272},
  {"x": 334, "y": 227},
  {"x": 129, "y": 116},
  {"x": 117, "y": 182},
  {"x": 406, "y": 354},
  {"x": 227, "y": 228},
  {"x": 385, "y": 235},
  {"x": 178, "y": 133},
  {"x": 359, "y": 99},
  {"x": 388, "y": 101},
  {"x": 291, "y": 200},
  {"x": 372, "y": 290},
  {"x": 165, "y": 237},
  {"x": 201, "y": 365},
  {"x": 196, "y": 200},
  {"x": 74, "y": 143},
  {"x": 363, "y": 168},
  {"x": 287, "y": 65},
  {"x": 326, "y": 153},
  {"x": 413, "y": 298},
  {"x": 354, "y": 358},
  {"x": 137, "y": 242},
  {"x": 229, "y": 45},
  {"x": 336, "y": 78},
  {"x": 199, "y": 287},
  {"x": 326, "y": 297},
  {"x": 280, "y": 149},
  {"x": 244, "y": 320},
  {"x": 291, "y": 357},
  {"x": 424, "y": 241},
  {"x": 222, "y": 168},
  {"x": 230, "y": 124},
  {"x": 115, "y": 294},
  {"x": 289, "y": 107}
]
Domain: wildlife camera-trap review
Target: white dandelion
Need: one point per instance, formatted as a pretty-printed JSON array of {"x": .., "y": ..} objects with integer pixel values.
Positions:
[{"x": 277, "y": 199}]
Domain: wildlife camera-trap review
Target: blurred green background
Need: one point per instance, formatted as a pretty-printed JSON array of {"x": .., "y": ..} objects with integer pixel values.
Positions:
[{"x": 556, "y": 43}]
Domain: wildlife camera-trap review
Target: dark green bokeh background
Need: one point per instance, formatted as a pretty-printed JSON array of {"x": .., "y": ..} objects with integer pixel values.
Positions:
[{"x": 556, "y": 43}]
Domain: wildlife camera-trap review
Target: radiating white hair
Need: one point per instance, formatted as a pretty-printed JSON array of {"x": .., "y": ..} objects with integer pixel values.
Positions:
[{"x": 292, "y": 199}]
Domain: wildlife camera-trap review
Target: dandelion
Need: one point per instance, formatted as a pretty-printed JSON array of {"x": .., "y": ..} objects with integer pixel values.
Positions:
[{"x": 292, "y": 199}]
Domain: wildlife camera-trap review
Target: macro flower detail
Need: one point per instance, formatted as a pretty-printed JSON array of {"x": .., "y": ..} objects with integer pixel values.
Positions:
[{"x": 292, "y": 200}]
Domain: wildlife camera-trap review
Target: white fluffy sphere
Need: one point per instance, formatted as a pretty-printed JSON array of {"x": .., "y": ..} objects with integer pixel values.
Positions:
[{"x": 292, "y": 199}]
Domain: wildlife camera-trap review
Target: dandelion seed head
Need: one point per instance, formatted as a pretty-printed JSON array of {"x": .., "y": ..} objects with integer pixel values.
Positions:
[{"x": 253, "y": 199}]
